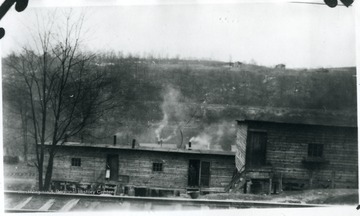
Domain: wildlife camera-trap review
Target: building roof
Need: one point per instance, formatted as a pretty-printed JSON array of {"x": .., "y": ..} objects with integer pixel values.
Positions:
[
  {"x": 307, "y": 117},
  {"x": 154, "y": 149},
  {"x": 156, "y": 145},
  {"x": 300, "y": 121}
]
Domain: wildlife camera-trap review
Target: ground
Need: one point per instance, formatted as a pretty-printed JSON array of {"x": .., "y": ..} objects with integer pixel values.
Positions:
[{"x": 315, "y": 196}]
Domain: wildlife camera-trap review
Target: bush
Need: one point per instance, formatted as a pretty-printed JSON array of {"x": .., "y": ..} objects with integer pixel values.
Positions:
[{"x": 11, "y": 159}]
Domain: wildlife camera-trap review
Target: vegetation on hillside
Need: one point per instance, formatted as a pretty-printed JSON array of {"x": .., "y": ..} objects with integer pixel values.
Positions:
[{"x": 210, "y": 94}]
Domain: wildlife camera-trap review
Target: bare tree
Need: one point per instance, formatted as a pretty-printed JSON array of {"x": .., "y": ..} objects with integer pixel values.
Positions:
[{"x": 66, "y": 92}]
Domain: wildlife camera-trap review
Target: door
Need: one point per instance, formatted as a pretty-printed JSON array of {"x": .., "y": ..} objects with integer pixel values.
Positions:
[
  {"x": 193, "y": 173},
  {"x": 205, "y": 174},
  {"x": 112, "y": 167},
  {"x": 256, "y": 149}
]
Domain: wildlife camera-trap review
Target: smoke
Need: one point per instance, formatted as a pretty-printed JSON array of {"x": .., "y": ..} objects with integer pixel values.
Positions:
[
  {"x": 173, "y": 111},
  {"x": 218, "y": 136},
  {"x": 202, "y": 141},
  {"x": 177, "y": 116},
  {"x": 164, "y": 122},
  {"x": 182, "y": 121}
]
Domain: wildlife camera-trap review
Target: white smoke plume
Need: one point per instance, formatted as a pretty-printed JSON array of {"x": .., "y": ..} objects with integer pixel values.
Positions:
[
  {"x": 173, "y": 110},
  {"x": 202, "y": 141},
  {"x": 177, "y": 115},
  {"x": 164, "y": 122},
  {"x": 219, "y": 136}
]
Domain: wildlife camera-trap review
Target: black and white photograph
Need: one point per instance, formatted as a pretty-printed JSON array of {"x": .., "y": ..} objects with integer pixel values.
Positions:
[{"x": 179, "y": 106}]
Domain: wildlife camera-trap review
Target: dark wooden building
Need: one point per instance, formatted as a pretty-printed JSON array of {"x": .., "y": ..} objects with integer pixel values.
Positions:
[
  {"x": 140, "y": 171},
  {"x": 275, "y": 156}
]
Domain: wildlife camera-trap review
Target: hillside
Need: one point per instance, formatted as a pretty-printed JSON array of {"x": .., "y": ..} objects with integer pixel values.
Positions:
[{"x": 178, "y": 100}]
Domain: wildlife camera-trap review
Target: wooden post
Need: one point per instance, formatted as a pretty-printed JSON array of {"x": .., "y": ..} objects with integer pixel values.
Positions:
[
  {"x": 310, "y": 179},
  {"x": 270, "y": 185},
  {"x": 114, "y": 141},
  {"x": 280, "y": 183},
  {"x": 248, "y": 186}
]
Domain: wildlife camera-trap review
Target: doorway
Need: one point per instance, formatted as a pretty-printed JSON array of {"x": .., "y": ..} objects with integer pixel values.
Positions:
[
  {"x": 205, "y": 174},
  {"x": 199, "y": 173},
  {"x": 193, "y": 175},
  {"x": 256, "y": 149},
  {"x": 112, "y": 167}
]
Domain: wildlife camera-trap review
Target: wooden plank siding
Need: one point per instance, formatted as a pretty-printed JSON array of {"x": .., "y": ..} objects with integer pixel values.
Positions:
[
  {"x": 137, "y": 165},
  {"x": 241, "y": 137},
  {"x": 287, "y": 147}
]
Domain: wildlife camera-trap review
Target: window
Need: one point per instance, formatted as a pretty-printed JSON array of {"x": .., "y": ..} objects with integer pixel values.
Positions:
[
  {"x": 76, "y": 162},
  {"x": 315, "y": 150},
  {"x": 157, "y": 167}
]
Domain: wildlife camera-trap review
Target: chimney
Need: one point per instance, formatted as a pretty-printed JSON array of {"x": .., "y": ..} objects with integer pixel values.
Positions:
[
  {"x": 114, "y": 140},
  {"x": 133, "y": 143},
  {"x": 189, "y": 145}
]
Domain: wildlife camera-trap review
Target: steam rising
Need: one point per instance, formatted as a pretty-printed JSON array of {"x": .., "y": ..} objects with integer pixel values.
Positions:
[
  {"x": 173, "y": 110},
  {"x": 218, "y": 136},
  {"x": 164, "y": 122},
  {"x": 202, "y": 141},
  {"x": 176, "y": 115}
]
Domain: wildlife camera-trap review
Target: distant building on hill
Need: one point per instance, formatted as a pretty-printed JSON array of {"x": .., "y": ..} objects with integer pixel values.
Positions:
[{"x": 280, "y": 66}]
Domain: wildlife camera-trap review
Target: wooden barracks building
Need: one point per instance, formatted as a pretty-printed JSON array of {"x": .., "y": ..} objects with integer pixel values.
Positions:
[
  {"x": 141, "y": 171},
  {"x": 271, "y": 156},
  {"x": 275, "y": 156}
]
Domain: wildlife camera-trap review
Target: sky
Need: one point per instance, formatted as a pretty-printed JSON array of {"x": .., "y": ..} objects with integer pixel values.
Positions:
[{"x": 298, "y": 35}]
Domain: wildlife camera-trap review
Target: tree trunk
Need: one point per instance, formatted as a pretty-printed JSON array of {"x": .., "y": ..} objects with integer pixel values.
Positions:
[
  {"x": 25, "y": 140},
  {"x": 181, "y": 138},
  {"x": 49, "y": 170},
  {"x": 40, "y": 176},
  {"x": 25, "y": 151}
]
